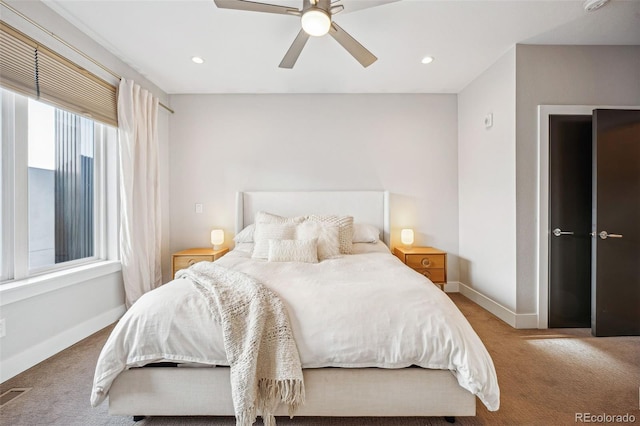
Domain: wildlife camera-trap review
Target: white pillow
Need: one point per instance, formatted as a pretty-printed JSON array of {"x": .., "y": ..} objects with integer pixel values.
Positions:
[
  {"x": 345, "y": 229},
  {"x": 378, "y": 247},
  {"x": 270, "y": 231},
  {"x": 264, "y": 217},
  {"x": 246, "y": 248},
  {"x": 293, "y": 251},
  {"x": 327, "y": 236},
  {"x": 364, "y": 233},
  {"x": 246, "y": 235}
]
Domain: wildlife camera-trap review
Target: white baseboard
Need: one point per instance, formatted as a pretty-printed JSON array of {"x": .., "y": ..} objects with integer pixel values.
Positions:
[
  {"x": 505, "y": 314},
  {"x": 452, "y": 287},
  {"x": 38, "y": 353}
]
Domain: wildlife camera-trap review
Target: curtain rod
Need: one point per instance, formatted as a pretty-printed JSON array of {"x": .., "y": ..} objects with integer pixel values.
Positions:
[{"x": 70, "y": 46}]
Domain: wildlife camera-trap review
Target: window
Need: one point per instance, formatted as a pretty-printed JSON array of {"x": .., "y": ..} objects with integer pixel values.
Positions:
[
  {"x": 57, "y": 167},
  {"x": 61, "y": 186},
  {"x": 53, "y": 187}
]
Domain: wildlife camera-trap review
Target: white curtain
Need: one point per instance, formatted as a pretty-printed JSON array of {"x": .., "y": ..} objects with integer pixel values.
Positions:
[{"x": 139, "y": 191}]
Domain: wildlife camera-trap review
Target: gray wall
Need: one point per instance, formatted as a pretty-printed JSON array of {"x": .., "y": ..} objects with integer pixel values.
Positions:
[
  {"x": 486, "y": 183},
  {"x": 498, "y": 174},
  {"x": 406, "y": 144},
  {"x": 559, "y": 75}
]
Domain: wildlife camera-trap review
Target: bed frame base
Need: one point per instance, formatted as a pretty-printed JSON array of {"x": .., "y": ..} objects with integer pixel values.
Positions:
[
  {"x": 448, "y": 419},
  {"x": 331, "y": 392}
]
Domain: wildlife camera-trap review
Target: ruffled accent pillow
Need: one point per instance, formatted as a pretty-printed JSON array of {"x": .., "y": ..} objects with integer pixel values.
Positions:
[
  {"x": 345, "y": 229},
  {"x": 293, "y": 251}
]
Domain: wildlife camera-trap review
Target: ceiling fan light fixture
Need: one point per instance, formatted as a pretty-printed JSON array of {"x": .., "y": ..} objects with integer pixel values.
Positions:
[
  {"x": 316, "y": 22},
  {"x": 592, "y": 5}
]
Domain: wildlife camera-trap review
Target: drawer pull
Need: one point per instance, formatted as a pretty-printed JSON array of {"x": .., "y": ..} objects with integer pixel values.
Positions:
[
  {"x": 426, "y": 262},
  {"x": 192, "y": 262}
]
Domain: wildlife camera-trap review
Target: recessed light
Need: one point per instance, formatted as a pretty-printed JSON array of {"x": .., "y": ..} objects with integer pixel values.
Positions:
[
  {"x": 197, "y": 60},
  {"x": 427, "y": 59}
]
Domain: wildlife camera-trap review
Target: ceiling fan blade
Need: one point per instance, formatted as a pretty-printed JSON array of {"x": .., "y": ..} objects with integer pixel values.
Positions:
[
  {"x": 357, "y": 50},
  {"x": 256, "y": 7},
  {"x": 353, "y": 6},
  {"x": 293, "y": 53}
]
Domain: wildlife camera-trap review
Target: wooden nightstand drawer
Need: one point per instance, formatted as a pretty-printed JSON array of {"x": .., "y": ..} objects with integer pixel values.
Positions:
[
  {"x": 435, "y": 275},
  {"x": 429, "y": 261},
  {"x": 416, "y": 261},
  {"x": 186, "y": 258},
  {"x": 182, "y": 262}
]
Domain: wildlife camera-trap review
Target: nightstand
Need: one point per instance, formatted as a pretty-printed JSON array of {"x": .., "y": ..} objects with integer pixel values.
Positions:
[
  {"x": 429, "y": 261},
  {"x": 185, "y": 258}
]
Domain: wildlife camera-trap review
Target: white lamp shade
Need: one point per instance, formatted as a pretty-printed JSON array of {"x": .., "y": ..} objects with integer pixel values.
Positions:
[
  {"x": 406, "y": 236},
  {"x": 316, "y": 22},
  {"x": 217, "y": 237}
]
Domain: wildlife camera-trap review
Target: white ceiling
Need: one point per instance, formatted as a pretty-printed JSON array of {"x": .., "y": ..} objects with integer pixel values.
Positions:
[{"x": 242, "y": 49}]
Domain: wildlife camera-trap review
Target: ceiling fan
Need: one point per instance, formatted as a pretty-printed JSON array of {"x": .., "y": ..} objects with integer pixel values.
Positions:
[{"x": 316, "y": 20}]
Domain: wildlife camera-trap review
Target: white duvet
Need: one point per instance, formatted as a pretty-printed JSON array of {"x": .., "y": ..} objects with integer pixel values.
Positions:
[{"x": 360, "y": 310}]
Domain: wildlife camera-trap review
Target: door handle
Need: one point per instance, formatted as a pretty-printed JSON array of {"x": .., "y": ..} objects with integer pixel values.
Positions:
[
  {"x": 604, "y": 235},
  {"x": 557, "y": 232}
]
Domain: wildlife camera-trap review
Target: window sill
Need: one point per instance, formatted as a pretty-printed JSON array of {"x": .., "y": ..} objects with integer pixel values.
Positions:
[{"x": 16, "y": 291}]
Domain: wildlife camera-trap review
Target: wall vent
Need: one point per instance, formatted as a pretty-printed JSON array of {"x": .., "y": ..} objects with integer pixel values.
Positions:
[{"x": 11, "y": 395}]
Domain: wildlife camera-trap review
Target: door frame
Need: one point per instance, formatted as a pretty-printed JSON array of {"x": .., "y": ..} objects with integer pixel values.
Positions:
[{"x": 542, "y": 225}]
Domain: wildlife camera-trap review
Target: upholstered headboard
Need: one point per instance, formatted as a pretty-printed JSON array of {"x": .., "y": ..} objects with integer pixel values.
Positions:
[{"x": 370, "y": 207}]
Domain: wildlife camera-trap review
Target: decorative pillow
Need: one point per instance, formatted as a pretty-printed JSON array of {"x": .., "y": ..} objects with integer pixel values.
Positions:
[
  {"x": 246, "y": 235},
  {"x": 264, "y": 217},
  {"x": 293, "y": 251},
  {"x": 327, "y": 236},
  {"x": 270, "y": 231},
  {"x": 364, "y": 233},
  {"x": 345, "y": 229}
]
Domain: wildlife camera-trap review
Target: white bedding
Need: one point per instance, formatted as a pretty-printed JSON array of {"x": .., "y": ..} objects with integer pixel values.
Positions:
[{"x": 360, "y": 310}]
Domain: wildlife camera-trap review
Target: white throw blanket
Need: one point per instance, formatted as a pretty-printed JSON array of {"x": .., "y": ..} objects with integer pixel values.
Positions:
[{"x": 264, "y": 362}]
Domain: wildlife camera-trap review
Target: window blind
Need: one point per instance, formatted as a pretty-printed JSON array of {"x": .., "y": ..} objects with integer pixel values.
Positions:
[{"x": 29, "y": 68}]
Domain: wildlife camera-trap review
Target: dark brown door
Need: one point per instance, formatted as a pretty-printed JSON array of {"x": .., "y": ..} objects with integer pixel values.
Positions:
[
  {"x": 570, "y": 219},
  {"x": 616, "y": 223}
]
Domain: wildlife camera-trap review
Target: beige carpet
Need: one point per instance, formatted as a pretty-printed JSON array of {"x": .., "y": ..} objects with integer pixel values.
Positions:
[{"x": 545, "y": 376}]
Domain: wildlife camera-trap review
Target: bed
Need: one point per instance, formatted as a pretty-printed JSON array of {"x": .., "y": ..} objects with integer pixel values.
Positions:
[{"x": 381, "y": 383}]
